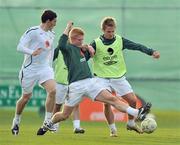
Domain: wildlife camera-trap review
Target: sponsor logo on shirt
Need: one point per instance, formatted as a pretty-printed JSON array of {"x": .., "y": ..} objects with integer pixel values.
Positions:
[{"x": 111, "y": 59}]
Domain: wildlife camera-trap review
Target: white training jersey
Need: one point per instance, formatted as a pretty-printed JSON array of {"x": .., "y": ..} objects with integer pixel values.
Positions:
[{"x": 34, "y": 38}]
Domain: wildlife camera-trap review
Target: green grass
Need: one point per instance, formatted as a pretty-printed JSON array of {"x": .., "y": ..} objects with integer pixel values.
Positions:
[{"x": 97, "y": 133}]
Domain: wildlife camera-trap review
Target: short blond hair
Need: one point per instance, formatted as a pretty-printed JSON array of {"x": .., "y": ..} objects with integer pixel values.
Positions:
[
  {"x": 108, "y": 21},
  {"x": 76, "y": 31}
]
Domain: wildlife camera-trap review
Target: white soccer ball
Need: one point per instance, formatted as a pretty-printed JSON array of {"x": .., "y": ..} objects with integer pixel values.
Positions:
[{"x": 148, "y": 125}]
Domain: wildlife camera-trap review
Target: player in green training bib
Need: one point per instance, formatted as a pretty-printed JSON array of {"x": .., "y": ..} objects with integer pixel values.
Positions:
[{"x": 110, "y": 68}]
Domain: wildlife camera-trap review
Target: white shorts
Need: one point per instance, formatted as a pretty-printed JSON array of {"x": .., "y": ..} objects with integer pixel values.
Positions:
[
  {"x": 61, "y": 93},
  {"x": 121, "y": 86},
  {"x": 87, "y": 87},
  {"x": 29, "y": 77}
]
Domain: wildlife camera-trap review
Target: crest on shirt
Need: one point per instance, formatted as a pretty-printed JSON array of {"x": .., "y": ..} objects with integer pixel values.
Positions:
[{"x": 47, "y": 44}]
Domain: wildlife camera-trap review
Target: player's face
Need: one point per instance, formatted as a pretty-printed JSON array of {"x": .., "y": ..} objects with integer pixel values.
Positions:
[
  {"x": 109, "y": 32},
  {"x": 52, "y": 23},
  {"x": 78, "y": 40}
]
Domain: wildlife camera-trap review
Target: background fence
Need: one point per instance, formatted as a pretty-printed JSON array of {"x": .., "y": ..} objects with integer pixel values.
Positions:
[{"x": 154, "y": 23}]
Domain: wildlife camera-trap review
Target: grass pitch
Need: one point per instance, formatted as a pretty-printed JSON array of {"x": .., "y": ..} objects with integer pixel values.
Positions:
[{"x": 97, "y": 133}]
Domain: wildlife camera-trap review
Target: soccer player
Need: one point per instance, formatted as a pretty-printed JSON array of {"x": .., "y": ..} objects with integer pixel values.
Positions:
[
  {"x": 109, "y": 67},
  {"x": 37, "y": 46},
  {"x": 80, "y": 79},
  {"x": 61, "y": 75}
]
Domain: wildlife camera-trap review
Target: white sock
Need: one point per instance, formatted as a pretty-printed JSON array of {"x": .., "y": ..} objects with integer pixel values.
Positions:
[
  {"x": 48, "y": 115},
  {"x": 76, "y": 123},
  {"x": 112, "y": 127},
  {"x": 132, "y": 111},
  {"x": 17, "y": 118},
  {"x": 131, "y": 122}
]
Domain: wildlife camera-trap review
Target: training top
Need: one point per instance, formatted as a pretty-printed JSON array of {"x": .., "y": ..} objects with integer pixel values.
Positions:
[
  {"x": 34, "y": 38},
  {"x": 75, "y": 60},
  {"x": 111, "y": 56},
  {"x": 108, "y": 62}
]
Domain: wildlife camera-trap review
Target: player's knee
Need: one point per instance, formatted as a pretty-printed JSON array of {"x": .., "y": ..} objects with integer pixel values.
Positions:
[
  {"x": 52, "y": 93},
  {"x": 25, "y": 98},
  {"x": 132, "y": 102},
  {"x": 107, "y": 107}
]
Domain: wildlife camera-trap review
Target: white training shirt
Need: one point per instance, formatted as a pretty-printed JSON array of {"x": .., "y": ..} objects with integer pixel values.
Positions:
[{"x": 34, "y": 38}]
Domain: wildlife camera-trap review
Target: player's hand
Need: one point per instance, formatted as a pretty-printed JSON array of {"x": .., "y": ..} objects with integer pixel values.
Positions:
[
  {"x": 68, "y": 28},
  {"x": 37, "y": 52},
  {"x": 91, "y": 50},
  {"x": 88, "y": 48},
  {"x": 84, "y": 47},
  {"x": 156, "y": 54},
  {"x": 70, "y": 25}
]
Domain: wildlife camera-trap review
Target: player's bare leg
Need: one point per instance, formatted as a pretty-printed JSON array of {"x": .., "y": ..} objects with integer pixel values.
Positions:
[
  {"x": 110, "y": 120},
  {"x": 58, "y": 117},
  {"x": 139, "y": 114},
  {"x": 50, "y": 87},
  {"x": 21, "y": 103}
]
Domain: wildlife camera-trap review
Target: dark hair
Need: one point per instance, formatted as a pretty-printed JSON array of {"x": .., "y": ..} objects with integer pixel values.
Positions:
[{"x": 48, "y": 15}]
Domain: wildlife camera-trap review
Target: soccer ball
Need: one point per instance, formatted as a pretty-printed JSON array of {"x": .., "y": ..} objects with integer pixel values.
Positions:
[{"x": 148, "y": 125}]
